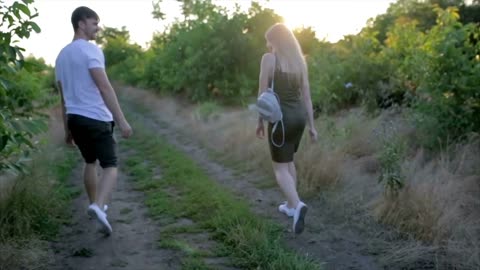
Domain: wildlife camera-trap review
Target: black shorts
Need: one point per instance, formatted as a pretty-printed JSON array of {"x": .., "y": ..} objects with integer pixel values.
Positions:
[{"x": 94, "y": 138}]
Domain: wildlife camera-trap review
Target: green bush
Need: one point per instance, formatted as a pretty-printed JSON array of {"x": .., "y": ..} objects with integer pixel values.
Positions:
[
  {"x": 22, "y": 85},
  {"x": 213, "y": 58},
  {"x": 207, "y": 110},
  {"x": 448, "y": 103},
  {"x": 391, "y": 157},
  {"x": 404, "y": 56}
]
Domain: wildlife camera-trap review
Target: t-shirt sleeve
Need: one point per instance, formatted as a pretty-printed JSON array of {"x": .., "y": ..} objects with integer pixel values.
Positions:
[{"x": 96, "y": 58}]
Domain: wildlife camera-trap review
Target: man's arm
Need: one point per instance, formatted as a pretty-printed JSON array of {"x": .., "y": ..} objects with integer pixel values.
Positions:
[
  {"x": 110, "y": 98},
  {"x": 68, "y": 135}
]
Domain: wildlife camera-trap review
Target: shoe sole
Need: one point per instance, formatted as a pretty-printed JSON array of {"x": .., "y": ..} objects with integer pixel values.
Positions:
[
  {"x": 104, "y": 227},
  {"x": 300, "y": 225}
]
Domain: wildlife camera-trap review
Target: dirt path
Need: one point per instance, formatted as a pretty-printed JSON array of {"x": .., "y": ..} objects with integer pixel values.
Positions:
[
  {"x": 328, "y": 237},
  {"x": 136, "y": 239},
  {"x": 132, "y": 245}
]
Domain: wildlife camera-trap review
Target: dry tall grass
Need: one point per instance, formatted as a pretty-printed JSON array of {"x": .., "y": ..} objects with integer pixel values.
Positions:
[
  {"x": 31, "y": 254},
  {"x": 17, "y": 193},
  {"x": 54, "y": 135},
  {"x": 438, "y": 205}
]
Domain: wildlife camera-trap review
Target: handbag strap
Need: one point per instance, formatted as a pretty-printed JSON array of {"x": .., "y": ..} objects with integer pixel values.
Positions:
[
  {"x": 274, "y": 68},
  {"x": 281, "y": 121},
  {"x": 283, "y": 134}
]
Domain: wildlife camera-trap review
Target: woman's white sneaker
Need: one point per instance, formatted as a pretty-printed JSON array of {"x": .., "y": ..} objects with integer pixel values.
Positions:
[
  {"x": 299, "y": 218},
  {"x": 283, "y": 208}
]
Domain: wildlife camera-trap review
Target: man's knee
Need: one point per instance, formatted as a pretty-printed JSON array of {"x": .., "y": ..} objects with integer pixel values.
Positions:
[{"x": 109, "y": 163}]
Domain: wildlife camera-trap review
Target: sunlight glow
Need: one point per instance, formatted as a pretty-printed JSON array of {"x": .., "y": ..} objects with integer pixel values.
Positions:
[
  {"x": 294, "y": 20},
  {"x": 330, "y": 19}
]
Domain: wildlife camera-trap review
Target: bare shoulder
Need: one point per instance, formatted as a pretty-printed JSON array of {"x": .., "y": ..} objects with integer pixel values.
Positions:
[{"x": 268, "y": 58}]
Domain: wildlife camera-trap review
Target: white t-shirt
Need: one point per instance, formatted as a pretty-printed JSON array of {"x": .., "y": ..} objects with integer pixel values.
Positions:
[{"x": 80, "y": 93}]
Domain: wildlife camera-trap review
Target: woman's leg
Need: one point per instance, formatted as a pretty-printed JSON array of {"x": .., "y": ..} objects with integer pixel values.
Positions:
[
  {"x": 286, "y": 183},
  {"x": 293, "y": 172}
]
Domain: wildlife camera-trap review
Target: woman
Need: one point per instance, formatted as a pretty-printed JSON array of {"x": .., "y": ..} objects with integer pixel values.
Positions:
[{"x": 286, "y": 66}]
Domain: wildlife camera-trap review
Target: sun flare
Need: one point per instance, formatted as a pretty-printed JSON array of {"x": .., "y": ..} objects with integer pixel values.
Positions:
[
  {"x": 330, "y": 19},
  {"x": 293, "y": 21}
]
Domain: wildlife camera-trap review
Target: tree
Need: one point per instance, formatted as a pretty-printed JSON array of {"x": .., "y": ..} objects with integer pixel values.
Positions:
[
  {"x": 212, "y": 53},
  {"x": 403, "y": 11},
  {"x": 109, "y": 33},
  {"x": 470, "y": 13},
  {"x": 307, "y": 39},
  {"x": 447, "y": 3},
  {"x": 18, "y": 124}
]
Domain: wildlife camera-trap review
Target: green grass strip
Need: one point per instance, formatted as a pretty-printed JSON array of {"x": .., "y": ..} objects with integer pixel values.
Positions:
[{"x": 184, "y": 190}]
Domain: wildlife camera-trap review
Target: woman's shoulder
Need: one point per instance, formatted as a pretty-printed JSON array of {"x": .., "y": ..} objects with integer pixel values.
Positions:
[{"x": 268, "y": 58}]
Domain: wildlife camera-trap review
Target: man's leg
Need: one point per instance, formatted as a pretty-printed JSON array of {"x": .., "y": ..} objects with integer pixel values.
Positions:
[
  {"x": 104, "y": 188},
  {"x": 90, "y": 180},
  {"x": 106, "y": 153},
  {"x": 103, "y": 145},
  {"x": 106, "y": 185}
]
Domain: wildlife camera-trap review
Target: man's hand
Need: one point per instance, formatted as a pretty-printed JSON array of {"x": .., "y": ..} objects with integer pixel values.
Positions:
[
  {"x": 125, "y": 129},
  {"x": 69, "y": 139}
]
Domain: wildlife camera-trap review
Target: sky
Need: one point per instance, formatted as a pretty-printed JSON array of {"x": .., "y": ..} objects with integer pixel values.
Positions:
[{"x": 331, "y": 19}]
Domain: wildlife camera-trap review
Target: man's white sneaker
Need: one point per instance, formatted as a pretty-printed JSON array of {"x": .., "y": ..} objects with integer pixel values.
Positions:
[
  {"x": 283, "y": 208},
  {"x": 105, "y": 208},
  {"x": 299, "y": 218},
  {"x": 95, "y": 212}
]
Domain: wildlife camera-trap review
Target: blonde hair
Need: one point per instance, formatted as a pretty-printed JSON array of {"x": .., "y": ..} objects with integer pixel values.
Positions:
[{"x": 289, "y": 53}]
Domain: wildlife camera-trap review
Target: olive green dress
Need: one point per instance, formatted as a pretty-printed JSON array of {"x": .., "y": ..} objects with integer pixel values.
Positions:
[{"x": 294, "y": 118}]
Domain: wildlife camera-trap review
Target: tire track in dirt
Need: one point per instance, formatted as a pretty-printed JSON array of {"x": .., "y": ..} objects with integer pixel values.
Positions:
[
  {"x": 329, "y": 239},
  {"x": 132, "y": 245}
]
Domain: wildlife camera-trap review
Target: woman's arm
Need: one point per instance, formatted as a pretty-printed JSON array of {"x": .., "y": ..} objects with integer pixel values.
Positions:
[
  {"x": 266, "y": 71},
  {"x": 266, "y": 68},
  {"x": 308, "y": 101}
]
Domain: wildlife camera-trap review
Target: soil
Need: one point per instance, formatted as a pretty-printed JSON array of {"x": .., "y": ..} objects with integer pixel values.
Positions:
[{"x": 132, "y": 245}]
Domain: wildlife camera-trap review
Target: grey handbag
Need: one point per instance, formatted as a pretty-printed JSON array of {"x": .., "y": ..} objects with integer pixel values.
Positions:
[{"x": 268, "y": 106}]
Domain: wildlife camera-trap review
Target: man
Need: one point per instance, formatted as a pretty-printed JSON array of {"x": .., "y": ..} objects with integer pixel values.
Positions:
[{"x": 90, "y": 107}]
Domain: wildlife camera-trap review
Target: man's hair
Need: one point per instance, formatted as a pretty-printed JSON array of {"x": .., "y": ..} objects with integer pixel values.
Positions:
[{"x": 82, "y": 13}]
